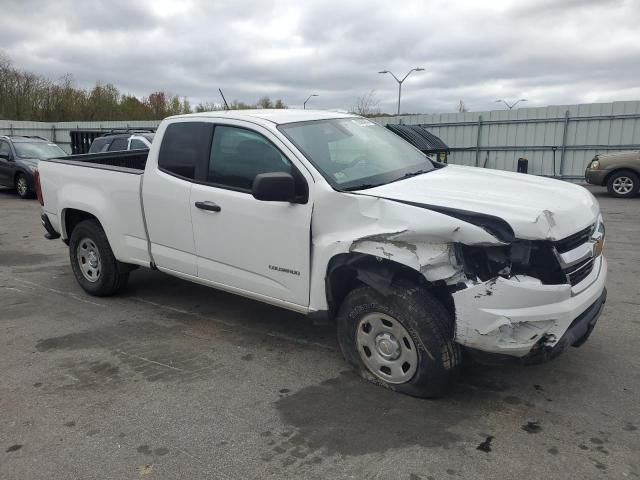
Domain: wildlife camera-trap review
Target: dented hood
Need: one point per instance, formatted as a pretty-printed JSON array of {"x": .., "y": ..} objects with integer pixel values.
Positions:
[{"x": 535, "y": 207}]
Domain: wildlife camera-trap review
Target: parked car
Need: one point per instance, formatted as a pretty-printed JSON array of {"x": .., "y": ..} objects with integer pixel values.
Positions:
[
  {"x": 619, "y": 171},
  {"x": 334, "y": 216},
  {"x": 19, "y": 157},
  {"x": 119, "y": 140}
]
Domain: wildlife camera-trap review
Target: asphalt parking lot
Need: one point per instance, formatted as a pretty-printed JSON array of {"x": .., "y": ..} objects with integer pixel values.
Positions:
[{"x": 174, "y": 380}]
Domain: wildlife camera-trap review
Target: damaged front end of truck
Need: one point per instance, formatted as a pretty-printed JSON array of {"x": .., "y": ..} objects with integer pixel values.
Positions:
[
  {"x": 532, "y": 298},
  {"x": 511, "y": 298}
]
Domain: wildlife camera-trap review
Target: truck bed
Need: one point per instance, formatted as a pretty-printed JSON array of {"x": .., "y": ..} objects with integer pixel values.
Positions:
[
  {"x": 106, "y": 186},
  {"x": 133, "y": 160}
]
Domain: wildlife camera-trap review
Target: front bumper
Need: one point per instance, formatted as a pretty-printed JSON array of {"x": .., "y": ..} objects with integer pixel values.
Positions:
[
  {"x": 579, "y": 332},
  {"x": 595, "y": 177},
  {"x": 520, "y": 315}
]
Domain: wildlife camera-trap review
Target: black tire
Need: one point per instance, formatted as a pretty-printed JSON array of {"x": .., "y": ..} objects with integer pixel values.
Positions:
[
  {"x": 626, "y": 177},
  {"x": 22, "y": 186},
  {"x": 424, "y": 318},
  {"x": 111, "y": 276}
]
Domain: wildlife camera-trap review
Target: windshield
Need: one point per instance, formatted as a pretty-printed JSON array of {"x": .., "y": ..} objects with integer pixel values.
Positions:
[
  {"x": 38, "y": 150},
  {"x": 355, "y": 153}
]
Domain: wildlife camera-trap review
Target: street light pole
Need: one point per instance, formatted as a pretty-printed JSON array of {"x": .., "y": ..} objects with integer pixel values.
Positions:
[
  {"x": 510, "y": 106},
  {"x": 304, "y": 105},
  {"x": 401, "y": 81}
]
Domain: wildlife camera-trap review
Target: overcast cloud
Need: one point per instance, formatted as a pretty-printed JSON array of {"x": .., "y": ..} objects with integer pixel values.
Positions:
[{"x": 548, "y": 51}]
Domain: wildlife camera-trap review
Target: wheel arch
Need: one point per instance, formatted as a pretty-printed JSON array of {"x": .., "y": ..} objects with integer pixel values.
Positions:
[
  {"x": 619, "y": 170},
  {"x": 71, "y": 217},
  {"x": 347, "y": 271}
]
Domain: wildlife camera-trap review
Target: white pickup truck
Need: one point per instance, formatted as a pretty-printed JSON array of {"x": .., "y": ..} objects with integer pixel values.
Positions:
[{"x": 333, "y": 216}]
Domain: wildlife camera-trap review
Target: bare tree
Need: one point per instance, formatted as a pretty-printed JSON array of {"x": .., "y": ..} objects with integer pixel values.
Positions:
[
  {"x": 367, "y": 105},
  {"x": 28, "y": 96},
  {"x": 462, "y": 107},
  {"x": 264, "y": 102}
]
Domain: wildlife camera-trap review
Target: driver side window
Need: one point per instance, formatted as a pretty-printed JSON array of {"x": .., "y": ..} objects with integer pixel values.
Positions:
[{"x": 238, "y": 155}]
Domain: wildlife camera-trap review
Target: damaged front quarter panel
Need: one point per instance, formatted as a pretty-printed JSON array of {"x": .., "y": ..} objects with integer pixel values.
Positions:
[
  {"x": 436, "y": 261},
  {"x": 416, "y": 237}
]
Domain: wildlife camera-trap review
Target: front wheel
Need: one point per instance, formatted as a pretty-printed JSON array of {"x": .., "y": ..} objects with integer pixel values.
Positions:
[
  {"x": 92, "y": 261},
  {"x": 402, "y": 341},
  {"x": 22, "y": 186},
  {"x": 623, "y": 184}
]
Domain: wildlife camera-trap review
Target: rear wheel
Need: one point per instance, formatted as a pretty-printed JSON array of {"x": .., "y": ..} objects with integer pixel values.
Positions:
[
  {"x": 402, "y": 341},
  {"x": 22, "y": 186},
  {"x": 623, "y": 184},
  {"x": 92, "y": 260}
]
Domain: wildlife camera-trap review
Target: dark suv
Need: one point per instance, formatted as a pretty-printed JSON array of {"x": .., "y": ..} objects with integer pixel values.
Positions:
[
  {"x": 19, "y": 157},
  {"x": 118, "y": 140}
]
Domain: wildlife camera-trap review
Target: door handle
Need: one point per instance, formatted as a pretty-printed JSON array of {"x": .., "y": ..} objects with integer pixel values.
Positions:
[{"x": 209, "y": 206}]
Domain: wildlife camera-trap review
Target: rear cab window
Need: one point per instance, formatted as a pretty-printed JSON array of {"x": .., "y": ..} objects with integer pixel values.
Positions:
[{"x": 185, "y": 149}]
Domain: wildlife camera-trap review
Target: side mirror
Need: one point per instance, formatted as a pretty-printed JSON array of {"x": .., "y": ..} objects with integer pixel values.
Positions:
[
  {"x": 6, "y": 156},
  {"x": 274, "y": 187}
]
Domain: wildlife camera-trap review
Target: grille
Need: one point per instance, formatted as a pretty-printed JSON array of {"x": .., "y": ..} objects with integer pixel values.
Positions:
[
  {"x": 580, "y": 271},
  {"x": 574, "y": 240}
]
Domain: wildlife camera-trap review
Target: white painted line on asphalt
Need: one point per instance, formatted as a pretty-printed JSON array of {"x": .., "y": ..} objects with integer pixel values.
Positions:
[
  {"x": 59, "y": 292},
  {"x": 149, "y": 360},
  {"x": 14, "y": 289}
]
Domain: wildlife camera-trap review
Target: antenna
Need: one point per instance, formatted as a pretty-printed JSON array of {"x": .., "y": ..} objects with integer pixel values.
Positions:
[{"x": 226, "y": 105}]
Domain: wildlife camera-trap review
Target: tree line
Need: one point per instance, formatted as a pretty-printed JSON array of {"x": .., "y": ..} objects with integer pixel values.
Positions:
[{"x": 28, "y": 96}]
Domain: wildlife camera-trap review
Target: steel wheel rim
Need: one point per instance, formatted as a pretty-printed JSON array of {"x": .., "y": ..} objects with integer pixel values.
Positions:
[
  {"x": 22, "y": 185},
  {"x": 386, "y": 348},
  {"x": 623, "y": 185},
  {"x": 88, "y": 257}
]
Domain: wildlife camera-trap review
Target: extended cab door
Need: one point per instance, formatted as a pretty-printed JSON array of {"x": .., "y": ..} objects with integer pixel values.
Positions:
[
  {"x": 166, "y": 193},
  {"x": 260, "y": 248}
]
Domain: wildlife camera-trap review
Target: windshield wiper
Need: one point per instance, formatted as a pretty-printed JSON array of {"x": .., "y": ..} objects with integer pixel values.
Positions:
[
  {"x": 416, "y": 173},
  {"x": 362, "y": 186}
]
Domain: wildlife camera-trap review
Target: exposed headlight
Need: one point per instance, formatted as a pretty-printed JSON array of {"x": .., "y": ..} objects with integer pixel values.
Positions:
[
  {"x": 535, "y": 259},
  {"x": 599, "y": 235},
  {"x": 594, "y": 165}
]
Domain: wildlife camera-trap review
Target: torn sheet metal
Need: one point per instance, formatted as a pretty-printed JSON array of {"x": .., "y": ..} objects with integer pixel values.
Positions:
[
  {"x": 510, "y": 316},
  {"x": 418, "y": 238},
  {"x": 436, "y": 261}
]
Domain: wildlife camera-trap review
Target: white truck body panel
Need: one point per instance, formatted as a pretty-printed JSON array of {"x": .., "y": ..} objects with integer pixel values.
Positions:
[
  {"x": 279, "y": 252},
  {"x": 536, "y": 207},
  {"x": 113, "y": 197}
]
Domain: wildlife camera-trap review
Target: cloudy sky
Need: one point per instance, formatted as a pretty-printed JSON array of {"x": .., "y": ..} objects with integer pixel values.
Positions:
[{"x": 548, "y": 51}]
